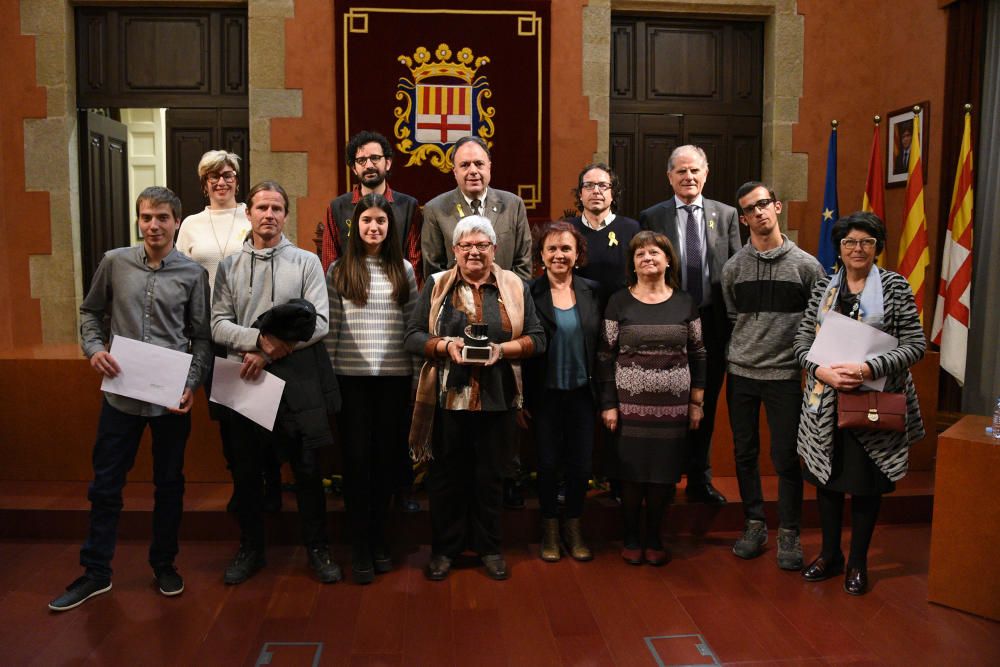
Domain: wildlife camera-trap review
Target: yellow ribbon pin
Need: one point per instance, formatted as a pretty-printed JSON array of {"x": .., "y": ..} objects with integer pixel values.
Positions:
[
  {"x": 612, "y": 241},
  {"x": 461, "y": 213}
]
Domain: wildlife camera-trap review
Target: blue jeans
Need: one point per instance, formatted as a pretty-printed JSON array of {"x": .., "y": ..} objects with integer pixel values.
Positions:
[{"x": 118, "y": 436}]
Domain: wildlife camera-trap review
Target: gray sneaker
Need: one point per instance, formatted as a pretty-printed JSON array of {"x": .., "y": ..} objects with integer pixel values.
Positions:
[
  {"x": 79, "y": 592},
  {"x": 789, "y": 549},
  {"x": 752, "y": 541}
]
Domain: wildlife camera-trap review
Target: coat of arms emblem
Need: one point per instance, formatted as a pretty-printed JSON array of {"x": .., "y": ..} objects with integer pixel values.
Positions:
[{"x": 441, "y": 104}]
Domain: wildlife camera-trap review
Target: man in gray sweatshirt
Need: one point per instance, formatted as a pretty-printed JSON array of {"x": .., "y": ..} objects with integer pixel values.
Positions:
[
  {"x": 271, "y": 271},
  {"x": 766, "y": 286}
]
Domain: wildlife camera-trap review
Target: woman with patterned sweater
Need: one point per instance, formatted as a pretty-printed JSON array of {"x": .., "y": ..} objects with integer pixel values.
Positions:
[
  {"x": 372, "y": 290},
  {"x": 651, "y": 370},
  {"x": 865, "y": 464}
]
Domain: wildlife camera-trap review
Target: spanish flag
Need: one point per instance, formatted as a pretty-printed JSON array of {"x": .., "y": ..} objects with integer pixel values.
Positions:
[
  {"x": 914, "y": 257},
  {"x": 874, "y": 199},
  {"x": 951, "y": 315}
]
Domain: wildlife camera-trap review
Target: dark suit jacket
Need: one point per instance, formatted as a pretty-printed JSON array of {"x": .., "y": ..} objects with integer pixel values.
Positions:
[
  {"x": 510, "y": 222},
  {"x": 535, "y": 369},
  {"x": 722, "y": 235}
]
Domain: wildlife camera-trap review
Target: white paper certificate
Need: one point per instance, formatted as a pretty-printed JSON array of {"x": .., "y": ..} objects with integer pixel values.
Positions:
[
  {"x": 256, "y": 400},
  {"x": 843, "y": 339},
  {"x": 148, "y": 372}
]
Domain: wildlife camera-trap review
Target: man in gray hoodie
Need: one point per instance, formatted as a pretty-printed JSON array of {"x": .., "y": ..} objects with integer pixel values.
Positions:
[
  {"x": 766, "y": 286},
  {"x": 271, "y": 271}
]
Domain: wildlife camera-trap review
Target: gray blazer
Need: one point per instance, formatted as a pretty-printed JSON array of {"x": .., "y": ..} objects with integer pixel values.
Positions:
[
  {"x": 722, "y": 234},
  {"x": 510, "y": 221}
]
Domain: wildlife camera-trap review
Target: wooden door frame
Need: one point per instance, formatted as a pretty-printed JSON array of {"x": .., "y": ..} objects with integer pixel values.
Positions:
[{"x": 784, "y": 52}]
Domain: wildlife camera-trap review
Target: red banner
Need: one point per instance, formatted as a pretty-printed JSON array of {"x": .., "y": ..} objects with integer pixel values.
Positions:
[{"x": 425, "y": 77}]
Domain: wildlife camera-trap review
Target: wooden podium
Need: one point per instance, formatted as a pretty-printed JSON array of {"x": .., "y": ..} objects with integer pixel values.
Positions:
[{"x": 965, "y": 531}]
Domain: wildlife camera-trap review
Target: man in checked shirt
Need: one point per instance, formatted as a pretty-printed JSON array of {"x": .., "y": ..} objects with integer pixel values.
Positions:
[{"x": 154, "y": 294}]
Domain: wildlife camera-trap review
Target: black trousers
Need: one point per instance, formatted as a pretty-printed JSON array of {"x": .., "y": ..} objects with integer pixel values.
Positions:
[
  {"x": 699, "y": 441},
  {"x": 118, "y": 437},
  {"x": 223, "y": 415},
  {"x": 782, "y": 401},
  {"x": 256, "y": 446},
  {"x": 465, "y": 480},
  {"x": 564, "y": 437},
  {"x": 370, "y": 421}
]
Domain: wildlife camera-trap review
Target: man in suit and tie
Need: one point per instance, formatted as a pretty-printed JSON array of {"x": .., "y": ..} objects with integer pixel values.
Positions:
[
  {"x": 473, "y": 197},
  {"x": 704, "y": 233},
  {"x": 902, "y": 160}
]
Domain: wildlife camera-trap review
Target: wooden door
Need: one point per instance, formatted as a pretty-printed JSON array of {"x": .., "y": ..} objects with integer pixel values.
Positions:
[
  {"x": 105, "y": 213},
  {"x": 678, "y": 81},
  {"x": 192, "y": 132}
]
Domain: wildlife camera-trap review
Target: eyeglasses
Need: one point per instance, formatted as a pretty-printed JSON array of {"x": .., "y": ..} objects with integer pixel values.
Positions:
[
  {"x": 481, "y": 247},
  {"x": 758, "y": 205},
  {"x": 851, "y": 243},
  {"x": 374, "y": 159},
  {"x": 603, "y": 187},
  {"x": 227, "y": 176}
]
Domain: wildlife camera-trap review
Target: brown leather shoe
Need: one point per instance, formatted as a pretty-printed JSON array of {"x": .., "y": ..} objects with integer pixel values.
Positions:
[
  {"x": 655, "y": 557},
  {"x": 632, "y": 555},
  {"x": 821, "y": 569},
  {"x": 496, "y": 567},
  {"x": 550, "y": 540},
  {"x": 856, "y": 581},
  {"x": 438, "y": 568},
  {"x": 573, "y": 538}
]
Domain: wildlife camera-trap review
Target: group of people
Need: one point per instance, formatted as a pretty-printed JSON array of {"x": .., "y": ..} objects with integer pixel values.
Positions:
[{"x": 421, "y": 334}]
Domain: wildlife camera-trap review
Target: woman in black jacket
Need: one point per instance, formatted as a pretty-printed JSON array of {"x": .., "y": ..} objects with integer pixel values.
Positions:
[{"x": 559, "y": 389}]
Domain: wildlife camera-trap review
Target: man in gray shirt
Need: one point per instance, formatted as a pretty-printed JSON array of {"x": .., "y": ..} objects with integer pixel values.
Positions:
[
  {"x": 766, "y": 286},
  {"x": 154, "y": 294}
]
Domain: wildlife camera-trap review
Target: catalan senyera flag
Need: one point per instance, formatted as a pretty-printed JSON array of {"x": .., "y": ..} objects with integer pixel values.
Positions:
[
  {"x": 914, "y": 256},
  {"x": 951, "y": 314},
  {"x": 874, "y": 199}
]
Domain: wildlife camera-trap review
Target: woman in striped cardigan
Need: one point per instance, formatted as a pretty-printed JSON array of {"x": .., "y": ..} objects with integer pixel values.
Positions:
[
  {"x": 865, "y": 464},
  {"x": 372, "y": 290}
]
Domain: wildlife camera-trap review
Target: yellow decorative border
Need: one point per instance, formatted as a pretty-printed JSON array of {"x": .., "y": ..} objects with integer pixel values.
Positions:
[
  {"x": 357, "y": 28},
  {"x": 529, "y": 194},
  {"x": 529, "y": 24}
]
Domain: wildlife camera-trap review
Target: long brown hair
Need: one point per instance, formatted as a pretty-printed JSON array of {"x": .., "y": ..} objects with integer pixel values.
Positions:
[{"x": 350, "y": 275}]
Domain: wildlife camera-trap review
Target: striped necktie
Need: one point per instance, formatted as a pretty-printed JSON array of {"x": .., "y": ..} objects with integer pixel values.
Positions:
[{"x": 693, "y": 271}]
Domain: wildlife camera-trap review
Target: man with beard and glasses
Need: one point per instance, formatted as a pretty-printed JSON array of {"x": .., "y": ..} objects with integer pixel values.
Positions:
[{"x": 369, "y": 157}]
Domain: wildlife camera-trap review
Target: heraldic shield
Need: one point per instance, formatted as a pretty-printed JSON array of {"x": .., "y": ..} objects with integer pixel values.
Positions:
[{"x": 443, "y": 102}]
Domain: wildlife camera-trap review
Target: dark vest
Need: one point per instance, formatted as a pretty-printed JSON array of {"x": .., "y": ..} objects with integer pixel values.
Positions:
[{"x": 404, "y": 208}]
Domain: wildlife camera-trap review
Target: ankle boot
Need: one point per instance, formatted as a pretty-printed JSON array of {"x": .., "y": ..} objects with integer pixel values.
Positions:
[
  {"x": 574, "y": 540},
  {"x": 550, "y": 540}
]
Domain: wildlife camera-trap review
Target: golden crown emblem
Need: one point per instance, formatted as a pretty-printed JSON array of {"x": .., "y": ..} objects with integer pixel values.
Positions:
[{"x": 464, "y": 67}]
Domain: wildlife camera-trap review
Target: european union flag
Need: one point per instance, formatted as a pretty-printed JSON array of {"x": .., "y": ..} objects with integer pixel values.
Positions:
[{"x": 827, "y": 254}]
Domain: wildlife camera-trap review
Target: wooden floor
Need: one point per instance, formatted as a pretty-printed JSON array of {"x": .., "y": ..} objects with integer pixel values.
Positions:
[{"x": 599, "y": 613}]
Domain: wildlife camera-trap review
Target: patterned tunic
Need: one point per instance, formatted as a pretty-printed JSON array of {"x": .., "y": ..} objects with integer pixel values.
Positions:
[{"x": 650, "y": 357}]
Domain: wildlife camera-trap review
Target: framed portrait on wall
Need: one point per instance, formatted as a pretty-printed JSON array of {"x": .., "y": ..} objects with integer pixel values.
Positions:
[{"x": 899, "y": 141}]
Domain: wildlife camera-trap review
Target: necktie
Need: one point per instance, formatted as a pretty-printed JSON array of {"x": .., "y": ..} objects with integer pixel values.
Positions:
[
  {"x": 476, "y": 205},
  {"x": 692, "y": 255}
]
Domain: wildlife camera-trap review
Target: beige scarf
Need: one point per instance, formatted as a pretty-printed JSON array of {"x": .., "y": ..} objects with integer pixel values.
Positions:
[{"x": 512, "y": 298}]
